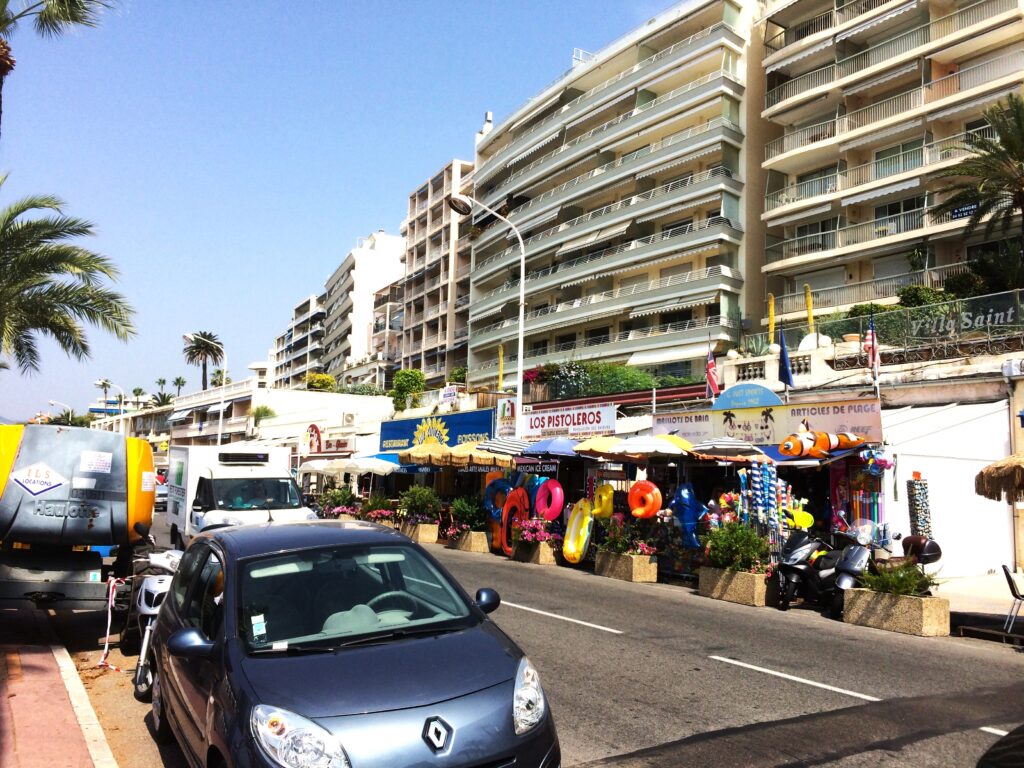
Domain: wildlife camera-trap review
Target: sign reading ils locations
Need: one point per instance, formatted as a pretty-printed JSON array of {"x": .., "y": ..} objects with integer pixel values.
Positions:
[
  {"x": 38, "y": 478},
  {"x": 575, "y": 422},
  {"x": 769, "y": 425}
]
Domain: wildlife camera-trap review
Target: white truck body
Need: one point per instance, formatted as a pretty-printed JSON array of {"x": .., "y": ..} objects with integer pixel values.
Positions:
[{"x": 229, "y": 485}]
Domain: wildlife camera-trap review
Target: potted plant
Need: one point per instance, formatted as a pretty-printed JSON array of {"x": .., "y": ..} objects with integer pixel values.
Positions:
[
  {"x": 533, "y": 542},
  {"x": 738, "y": 568},
  {"x": 377, "y": 509},
  {"x": 468, "y": 529},
  {"x": 419, "y": 510},
  {"x": 338, "y": 504},
  {"x": 624, "y": 554},
  {"x": 898, "y": 598}
]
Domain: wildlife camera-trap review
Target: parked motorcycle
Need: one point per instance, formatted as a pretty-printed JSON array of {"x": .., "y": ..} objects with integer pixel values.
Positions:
[{"x": 153, "y": 581}]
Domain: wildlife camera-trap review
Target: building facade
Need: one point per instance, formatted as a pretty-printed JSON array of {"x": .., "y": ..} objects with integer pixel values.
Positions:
[
  {"x": 385, "y": 342},
  {"x": 374, "y": 264},
  {"x": 632, "y": 183},
  {"x": 299, "y": 350},
  {"x": 867, "y": 102},
  {"x": 436, "y": 285}
]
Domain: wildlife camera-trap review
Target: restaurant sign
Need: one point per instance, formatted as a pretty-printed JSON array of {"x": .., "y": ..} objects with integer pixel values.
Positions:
[
  {"x": 770, "y": 425},
  {"x": 449, "y": 429},
  {"x": 575, "y": 422}
]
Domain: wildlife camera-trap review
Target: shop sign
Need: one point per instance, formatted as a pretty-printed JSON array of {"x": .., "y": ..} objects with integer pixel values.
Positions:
[
  {"x": 314, "y": 440},
  {"x": 336, "y": 445},
  {"x": 576, "y": 422},
  {"x": 446, "y": 429},
  {"x": 505, "y": 418},
  {"x": 746, "y": 396},
  {"x": 770, "y": 425},
  {"x": 449, "y": 394}
]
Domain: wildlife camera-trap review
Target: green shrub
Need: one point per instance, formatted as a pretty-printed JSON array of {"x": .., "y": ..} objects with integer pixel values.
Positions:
[
  {"x": 407, "y": 383},
  {"x": 338, "y": 497},
  {"x": 375, "y": 502},
  {"x": 966, "y": 285},
  {"x": 469, "y": 512},
  {"x": 420, "y": 504},
  {"x": 920, "y": 296},
  {"x": 261, "y": 412},
  {"x": 360, "y": 389},
  {"x": 320, "y": 382},
  {"x": 903, "y": 579},
  {"x": 736, "y": 547},
  {"x": 458, "y": 374}
]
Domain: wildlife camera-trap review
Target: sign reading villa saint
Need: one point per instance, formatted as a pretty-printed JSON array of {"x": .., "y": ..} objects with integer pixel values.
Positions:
[{"x": 770, "y": 425}]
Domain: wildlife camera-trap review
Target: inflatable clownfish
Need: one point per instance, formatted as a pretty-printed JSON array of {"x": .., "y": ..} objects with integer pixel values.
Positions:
[{"x": 818, "y": 445}]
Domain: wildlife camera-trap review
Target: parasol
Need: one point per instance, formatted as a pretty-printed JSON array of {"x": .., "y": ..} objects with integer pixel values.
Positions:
[
  {"x": 369, "y": 465},
  {"x": 727, "y": 446},
  {"x": 1004, "y": 477},
  {"x": 427, "y": 454},
  {"x": 554, "y": 446},
  {"x": 470, "y": 454},
  {"x": 677, "y": 441},
  {"x": 600, "y": 446},
  {"x": 647, "y": 445}
]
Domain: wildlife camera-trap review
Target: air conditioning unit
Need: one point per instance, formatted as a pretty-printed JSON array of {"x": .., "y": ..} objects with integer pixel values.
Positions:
[
  {"x": 348, "y": 419},
  {"x": 1013, "y": 369}
]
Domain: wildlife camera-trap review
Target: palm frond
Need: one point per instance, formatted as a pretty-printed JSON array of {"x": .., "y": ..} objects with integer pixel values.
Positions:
[{"x": 57, "y": 16}]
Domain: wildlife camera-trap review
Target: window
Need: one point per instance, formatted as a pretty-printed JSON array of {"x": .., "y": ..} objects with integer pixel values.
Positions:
[
  {"x": 205, "y": 609},
  {"x": 826, "y": 278},
  {"x": 679, "y": 316},
  {"x": 539, "y": 348},
  {"x": 680, "y": 227},
  {"x": 899, "y": 158},
  {"x": 678, "y": 269},
  {"x": 898, "y": 216},
  {"x": 566, "y": 339},
  {"x": 595, "y": 334},
  {"x": 204, "y": 494},
  {"x": 981, "y": 124},
  {"x": 183, "y": 576},
  {"x": 817, "y": 236}
]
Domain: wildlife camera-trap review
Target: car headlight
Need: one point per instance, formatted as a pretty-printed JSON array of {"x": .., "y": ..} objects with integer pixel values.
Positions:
[
  {"x": 293, "y": 741},
  {"x": 527, "y": 698}
]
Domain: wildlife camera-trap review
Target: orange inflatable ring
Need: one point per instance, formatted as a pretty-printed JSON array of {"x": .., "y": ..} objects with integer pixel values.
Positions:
[
  {"x": 603, "y": 498},
  {"x": 517, "y": 507},
  {"x": 644, "y": 499}
]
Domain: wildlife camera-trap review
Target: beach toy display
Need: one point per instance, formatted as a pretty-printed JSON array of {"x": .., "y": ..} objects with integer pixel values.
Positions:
[
  {"x": 550, "y": 500},
  {"x": 517, "y": 507},
  {"x": 644, "y": 499},
  {"x": 495, "y": 495},
  {"x": 578, "y": 531},
  {"x": 604, "y": 498},
  {"x": 818, "y": 445}
]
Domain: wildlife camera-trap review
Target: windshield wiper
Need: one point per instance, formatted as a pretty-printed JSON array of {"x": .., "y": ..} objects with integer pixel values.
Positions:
[
  {"x": 293, "y": 649},
  {"x": 397, "y": 634}
]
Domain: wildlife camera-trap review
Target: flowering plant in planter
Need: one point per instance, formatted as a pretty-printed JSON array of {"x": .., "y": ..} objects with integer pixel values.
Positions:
[
  {"x": 622, "y": 537},
  {"x": 737, "y": 547},
  {"x": 466, "y": 514},
  {"x": 419, "y": 505},
  {"x": 333, "y": 513},
  {"x": 382, "y": 516},
  {"x": 534, "y": 530}
]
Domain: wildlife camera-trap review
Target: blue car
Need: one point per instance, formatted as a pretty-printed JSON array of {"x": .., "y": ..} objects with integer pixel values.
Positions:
[{"x": 327, "y": 644}]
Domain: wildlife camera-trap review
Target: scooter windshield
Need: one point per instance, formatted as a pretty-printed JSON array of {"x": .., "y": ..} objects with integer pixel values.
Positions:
[{"x": 864, "y": 531}]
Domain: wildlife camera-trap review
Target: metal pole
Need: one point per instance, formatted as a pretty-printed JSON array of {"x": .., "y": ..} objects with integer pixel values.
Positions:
[{"x": 223, "y": 384}]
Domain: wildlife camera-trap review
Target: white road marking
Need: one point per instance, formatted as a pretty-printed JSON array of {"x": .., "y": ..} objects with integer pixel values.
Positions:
[
  {"x": 562, "y": 618},
  {"x": 795, "y": 679},
  {"x": 864, "y": 696},
  {"x": 95, "y": 739}
]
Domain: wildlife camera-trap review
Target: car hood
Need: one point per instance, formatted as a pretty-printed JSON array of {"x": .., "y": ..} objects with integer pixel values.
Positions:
[{"x": 410, "y": 672}]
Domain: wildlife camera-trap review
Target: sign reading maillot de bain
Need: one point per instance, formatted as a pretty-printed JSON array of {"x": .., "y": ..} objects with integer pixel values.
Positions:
[{"x": 575, "y": 422}]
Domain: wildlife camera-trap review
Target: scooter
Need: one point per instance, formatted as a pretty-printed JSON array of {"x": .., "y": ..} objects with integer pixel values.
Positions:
[{"x": 155, "y": 576}]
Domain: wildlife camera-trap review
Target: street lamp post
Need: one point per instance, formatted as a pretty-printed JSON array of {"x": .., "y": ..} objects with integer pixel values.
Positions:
[
  {"x": 189, "y": 338},
  {"x": 463, "y": 205}
]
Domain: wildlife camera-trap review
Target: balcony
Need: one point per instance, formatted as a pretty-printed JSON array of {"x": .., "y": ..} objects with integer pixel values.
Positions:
[
  {"x": 623, "y": 344},
  {"x": 580, "y": 269},
  {"x": 915, "y": 42},
  {"x": 670, "y": 194},
  {"x": 209, "y": 428},
  {"x": 798, "y": 32},
  {"x": 869, "y": 291},
  {"x": 853, "y": 240},
  {"x": 990, "y": 75},
  {"x": 939, "y": 153},
  {"x": 603, "y": 93},
  {"x": 699, "y": 286}
]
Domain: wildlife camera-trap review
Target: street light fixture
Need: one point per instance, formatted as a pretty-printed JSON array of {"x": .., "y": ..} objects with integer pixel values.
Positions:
[
  {"x": 121, "y": 402},
  {"x": 188, "y": 338},
  {"x": 463, "y": 205}
]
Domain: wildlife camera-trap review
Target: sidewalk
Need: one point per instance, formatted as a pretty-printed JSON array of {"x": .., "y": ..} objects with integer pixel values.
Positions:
[
  {"x": 979, "y": 594},
  {"x": 45, "y": 716}
]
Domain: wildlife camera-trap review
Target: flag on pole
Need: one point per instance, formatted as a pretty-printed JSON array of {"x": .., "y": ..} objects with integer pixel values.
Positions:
[
  {"x": 785, "y": 370},
  {"x": 711, "y": 375},
  {"x": 871, "y": 348}
]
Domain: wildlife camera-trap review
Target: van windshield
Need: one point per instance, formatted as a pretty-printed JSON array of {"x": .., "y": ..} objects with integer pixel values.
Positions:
[{"x": 256, "y": 493}]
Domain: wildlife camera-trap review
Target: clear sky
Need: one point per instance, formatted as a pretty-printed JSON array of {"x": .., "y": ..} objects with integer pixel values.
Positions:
[{"x": 230, "y": 153}]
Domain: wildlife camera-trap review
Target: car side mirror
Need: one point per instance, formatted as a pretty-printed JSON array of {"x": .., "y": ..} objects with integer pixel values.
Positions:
[
  {"x": 487, "y": 600},
  {"x": 197, "y": 506},
  {"x": 190, "y": 643}
]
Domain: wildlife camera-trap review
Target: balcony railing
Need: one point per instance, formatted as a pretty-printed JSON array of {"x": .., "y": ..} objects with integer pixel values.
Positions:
[
  {"x": 958, "y": 82},
  {"x": 869, "y": 290},
  {"x": 859, "y": 234},
  {"x": 943, "y": 150},
  {"x": 798, "y": 32},
  {"x": 806, "y": 82},
  {"x": 666, "y": 189},
  {"x": 850, "y": 11},
  {"x": 617, "y": 339}
]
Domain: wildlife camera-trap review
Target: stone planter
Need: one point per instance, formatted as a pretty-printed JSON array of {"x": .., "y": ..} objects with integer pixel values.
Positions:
[
  {"x": 642, "y": 568},
  {"x": 923, "y": 616},
  {"x": 472, "y": 541},
  {"x": 735, "y": 586},
  {"x": 536, "y": 552},
  {"x": 421, "y": 533}
]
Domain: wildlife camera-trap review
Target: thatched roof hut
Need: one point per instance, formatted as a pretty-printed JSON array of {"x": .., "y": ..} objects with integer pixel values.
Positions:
[{"x": 1002, "y": 478}]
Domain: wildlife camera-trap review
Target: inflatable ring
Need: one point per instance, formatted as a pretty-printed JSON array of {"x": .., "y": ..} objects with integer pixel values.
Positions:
[
  {"x": 532, "y": 486},
  {"x": 550, "y": 500},
  {"x": 491, "y": 503},
  {"x": 644, "y": 499},
  {"x": 603, "y": 500},
  {"x": 577, "y": 532},
  {"x": 517, "y": 507}
]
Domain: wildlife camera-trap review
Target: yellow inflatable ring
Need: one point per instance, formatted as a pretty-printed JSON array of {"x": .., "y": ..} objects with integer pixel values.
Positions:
[
  {"x": 577, "y": 532},
  {"x": 603, "y": 498}
]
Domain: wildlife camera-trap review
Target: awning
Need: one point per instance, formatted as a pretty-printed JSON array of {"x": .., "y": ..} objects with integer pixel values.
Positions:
[
  {"x": 679, "y": 161},
  {"x": 685, "y": 206},
  {"x": 883, "y": 78},
  {"x": 672, "y": 306},
  {"x": 487, "y": 312},
  {"x": 801, "y": 55},
  {"x": 877, "y": 20},
  {"x": 505, "y": 446},
  {"x": 973, "y": 103},
  {"x": 533, "y": 148},
  {"x": 594, "y": 237},
  {"x": 671, "y": 355},
  {"x": 817, "y": 211},
  {"x": 528, "y": 223},
  {"x": 774, "y": 9},
  {"x": 180, "y": 415},
  {"x": 646, "y": 263},
  {"x": 536, "y": 110},
  {"x": 871, "y": 137},
  {"x": 215, "y": 409},
  {"x": 881, "y": 191},
  {"x": 588, "y": 114}
]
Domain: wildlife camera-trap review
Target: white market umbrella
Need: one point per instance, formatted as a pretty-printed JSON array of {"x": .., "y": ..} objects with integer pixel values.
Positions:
[
  {"x": 370, "y": 465},
  {"x": 647, "y": 445}
]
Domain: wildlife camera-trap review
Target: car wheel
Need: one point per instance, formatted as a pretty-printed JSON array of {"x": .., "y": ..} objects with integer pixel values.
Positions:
[{"x": 158, "y": 711}]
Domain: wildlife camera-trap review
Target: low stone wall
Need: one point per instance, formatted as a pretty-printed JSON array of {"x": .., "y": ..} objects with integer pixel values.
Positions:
[
  {"x": 734, "y": 586},
  {"x": 922, "y": 616},
  {"x": 423, "y": 533},
  {"x": 640, "y": 568},
  {"x": 472, "y": 541}
]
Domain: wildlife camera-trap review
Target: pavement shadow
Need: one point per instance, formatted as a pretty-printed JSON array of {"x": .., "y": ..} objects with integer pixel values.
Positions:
[
  {"x": 170, "y": 753},
  {"x": 826, "y": 737}
]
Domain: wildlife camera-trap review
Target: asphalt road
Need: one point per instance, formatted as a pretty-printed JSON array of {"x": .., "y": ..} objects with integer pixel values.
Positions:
[{"x": 650, "y": 693}]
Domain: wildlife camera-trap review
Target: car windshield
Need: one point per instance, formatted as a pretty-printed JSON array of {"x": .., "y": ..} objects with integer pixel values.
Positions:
[
  {"x": 334, "y": 596},
  {"x": 256, "y": 493}
]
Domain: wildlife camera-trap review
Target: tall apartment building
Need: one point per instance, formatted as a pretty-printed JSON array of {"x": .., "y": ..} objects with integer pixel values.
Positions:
[
  {"x": 297, "y": 352},
  {"x": 631, "y": 181},
  {"x": 437, "y": 276},
  {"x": 868, "y": 100},
  {"x": 374, "y": 264},
  {"x": 385, "y": 341}
]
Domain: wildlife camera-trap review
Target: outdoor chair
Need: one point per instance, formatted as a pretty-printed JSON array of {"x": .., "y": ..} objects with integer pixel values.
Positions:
[{"x": 1018, "y": 601}]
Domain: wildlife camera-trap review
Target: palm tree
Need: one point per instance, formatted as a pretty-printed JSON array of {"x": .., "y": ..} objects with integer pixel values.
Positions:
[
  {"x": 217, "y": 378},
  {"x": 49, "y": 286},
  {"x": 989, "y": 182},
  {"x": 160, "y": 399},
  {"x": 161, "y": 383},
  {"x": 178, "y": 383},
  {"x": 105, "y": 385},
  {"x": 51, "y": 18},
  {"x": 137, "y": 393},
  {"x": 204, "y": 346}
]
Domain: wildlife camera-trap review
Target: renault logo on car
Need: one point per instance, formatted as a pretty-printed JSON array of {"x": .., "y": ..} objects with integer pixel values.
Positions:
[{"x": 436, "y": 732}]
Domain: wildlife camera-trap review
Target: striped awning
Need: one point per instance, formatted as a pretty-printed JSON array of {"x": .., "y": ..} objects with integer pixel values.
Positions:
[
  {"x": 881, "y": 192},
  {"x": 881, "y": 79},
  {"x": 506, "y": 446},
  {"x": 533, "y": 148},
  {"x": 526, "y": 224},
  {"x": 646, "y": 263},
  {"x": 797, "y": 56},
  {"x": 972, "y": 104},
  {"x": 180, "y": 415},
  {"x": 871, "y": 137},
  {"x": 685, "y": 206},
  {"x": 670, "y": 355},
  {"x": 589, "y": 114},
  {"x": 594, "y": 237},
  {"x": 877, "y": 20},
  {"x": 677, "y": 304},
  {"x": 680, "y": 160},
  {"x": 798, "y": 216}
]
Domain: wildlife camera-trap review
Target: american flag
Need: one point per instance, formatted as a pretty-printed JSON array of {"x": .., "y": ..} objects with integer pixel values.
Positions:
[
  {"x": 711, "y": 375},
  {"x": 871, "y": 348}
]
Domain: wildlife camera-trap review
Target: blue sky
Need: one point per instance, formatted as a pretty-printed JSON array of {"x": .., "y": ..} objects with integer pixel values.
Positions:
[{"x": 230, "y": 153}]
